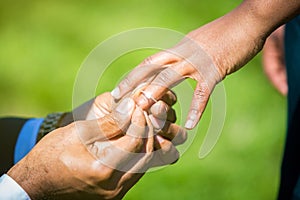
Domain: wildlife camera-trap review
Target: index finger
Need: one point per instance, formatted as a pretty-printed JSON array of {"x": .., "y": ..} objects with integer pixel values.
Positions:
[
  {"x": 147, "y": 69},
  {"x": 162, "y": 83}
]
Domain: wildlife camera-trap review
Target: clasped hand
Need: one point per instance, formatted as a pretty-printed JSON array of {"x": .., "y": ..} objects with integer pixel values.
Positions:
[{"x": 104, "y": 155}]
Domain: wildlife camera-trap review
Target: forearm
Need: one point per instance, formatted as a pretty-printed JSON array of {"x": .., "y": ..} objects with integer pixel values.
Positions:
[
  {"x": 270, "y": 14},
  {"x": 237, "y": 37}
]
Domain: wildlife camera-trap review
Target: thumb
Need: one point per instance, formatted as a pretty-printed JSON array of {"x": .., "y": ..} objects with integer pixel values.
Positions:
[
  {"x": 109, "y": 126},
  {"x": 116, "y": 122},
  {"x": 199, "y": 102},
  {"x": 121, "y": 115}
]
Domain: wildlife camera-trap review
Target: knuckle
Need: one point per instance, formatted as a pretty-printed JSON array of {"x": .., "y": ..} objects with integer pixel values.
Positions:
[
  {"x": 186, "y": 69},
  {"x": 184, "y": 136},
  {"x": 136, "y": 143},
  {"x": 101, "y": 173},
  {"x": 170, "y": 156},
  {"x": 167, "y": 149},
  {"x": 138, "y": 118},
  {"x": 198, "y": 93},
  {"x": 202, "y": 93},
  {"x": 204, "y": 87},
  {"x": 169, "y": 98},
  {"x": 172, "y": 95},
  {"x": 176, "y": 158},
  {"x": 165, "y": 77},
  {"x": 148, "y": 61},
  {"x": 159, "y": 109},
  {"x": 126, "y": 82},
  {"x": 166, "y": 129},
  {"x": 162, "y": 106},
  {"x": 181, "y": 137},
  {"x": 111, "y": 192}
]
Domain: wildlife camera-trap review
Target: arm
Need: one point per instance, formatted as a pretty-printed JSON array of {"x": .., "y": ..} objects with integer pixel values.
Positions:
[
  {"x": 237, "y": 37},
  {"x": 210, "y": 53}
]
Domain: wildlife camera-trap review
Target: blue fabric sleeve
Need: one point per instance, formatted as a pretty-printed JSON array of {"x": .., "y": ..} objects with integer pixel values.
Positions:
[{"x": 27, "y": 138}]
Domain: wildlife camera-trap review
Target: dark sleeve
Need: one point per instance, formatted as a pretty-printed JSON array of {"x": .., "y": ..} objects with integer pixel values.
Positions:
[{"x": 9, "y": 131}]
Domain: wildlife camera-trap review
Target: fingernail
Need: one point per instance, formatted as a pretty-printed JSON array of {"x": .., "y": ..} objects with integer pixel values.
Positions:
[
  {"x": 157, "y": 123},
  {"x": 159, "y": 139},
  {"x": 193, "y": 115},
  {"x": 159, "y": 110},
  {"x": 126, "y": 106},
  {"x": 189, "y": 124},
  {"x": 116, "y": 93},
  {"x": 191, "y": 119},
  {"x": 142, "y": 101}
]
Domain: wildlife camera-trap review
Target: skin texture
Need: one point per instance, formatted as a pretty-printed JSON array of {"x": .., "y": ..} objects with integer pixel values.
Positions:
[
  {"x": 210, "y": 53},
  {"x": 99, "y": 158},
  {"x": 223, "y": 46},
  {"x": 273, "y": 60}
]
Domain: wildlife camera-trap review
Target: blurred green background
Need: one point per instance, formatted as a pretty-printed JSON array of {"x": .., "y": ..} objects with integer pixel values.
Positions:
[{"x": 43, "y": 43}]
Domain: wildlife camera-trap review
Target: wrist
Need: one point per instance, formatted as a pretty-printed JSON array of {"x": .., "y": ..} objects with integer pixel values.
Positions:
[
  {"x": 30, "y": 182},
  {"x": 54, "y": 121},
  {"x": 231, "y": 41}
]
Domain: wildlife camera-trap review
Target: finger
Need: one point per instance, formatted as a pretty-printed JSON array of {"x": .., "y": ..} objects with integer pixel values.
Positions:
[
  {"x": 108, "y": 126},
  {"x": 104, "y": 103},
  {"x": 198, "y": 104},
  {"x": 174, "y": 133},
  {"x": 150, "y": 135},
  {"x": 127, "y": 181},
  {"x": 157, "y": 124},
  {"x": 277, "y": 76},
  {"x": 171, "y": 116},
  {"x": 134, "y": 78},
  {"x": 280, "y": 83},
  {"x": 100, "y": 106},
  {"x": 161, "y": 117},
  {"x": 161, "y": 58},
  {"x": 273, "y": 60},
  {"x": 274, "y": 67},
  {"x": 144, "y": 71},
  {"x": 166, "y": 153},
  {"x": 123, "y": 152},
  {"x": 141, "y": 161},
  {"x": 161, "y": 111},
  {"x": 122, "y": 113},
  {"x": 137, "y": 128},
  {"x": 168, "y": 114},
  {"x": 166, "y": 79},
  {"x": 169, "y": 98}
]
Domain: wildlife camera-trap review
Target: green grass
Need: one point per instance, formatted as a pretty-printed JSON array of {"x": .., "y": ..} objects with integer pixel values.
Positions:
[{"x": 43, "y": 44}]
